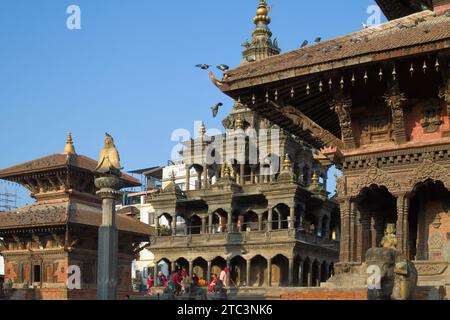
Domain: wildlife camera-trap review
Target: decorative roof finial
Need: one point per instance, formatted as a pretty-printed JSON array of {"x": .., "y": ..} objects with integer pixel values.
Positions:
[
  {"x": 202, "y": 129},
  {"x": 287, "y": 164},
  {"x": 239, "y": 124},
  {"x": 261, "y": 46},
  {"x": 109, "y": 159},
  {"x": 315, "y": 179},
  {"x": 69, "y": 148}
]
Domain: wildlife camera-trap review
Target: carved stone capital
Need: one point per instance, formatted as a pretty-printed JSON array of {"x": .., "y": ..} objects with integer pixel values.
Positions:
[{"x": 109, "y": 186}]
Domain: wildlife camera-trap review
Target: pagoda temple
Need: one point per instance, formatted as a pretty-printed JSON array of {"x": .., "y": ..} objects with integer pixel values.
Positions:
[
  {"x": 43, "y": 240},
  {"x": 376, "y": 103}
]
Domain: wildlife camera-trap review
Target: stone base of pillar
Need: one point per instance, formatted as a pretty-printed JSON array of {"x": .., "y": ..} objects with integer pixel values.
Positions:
[{"x": 107, "y": 263}]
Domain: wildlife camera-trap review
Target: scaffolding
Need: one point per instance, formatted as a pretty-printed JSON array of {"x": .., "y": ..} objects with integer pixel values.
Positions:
[{"x": 8, "y": 201}]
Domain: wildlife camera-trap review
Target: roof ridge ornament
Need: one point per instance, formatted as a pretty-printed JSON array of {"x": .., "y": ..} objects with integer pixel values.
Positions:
[{"x": 69, "y": 148}]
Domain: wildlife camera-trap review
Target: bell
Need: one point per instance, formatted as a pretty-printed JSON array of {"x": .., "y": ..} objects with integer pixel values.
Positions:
[
  {"x": 320, "y": 86},
  {"x": 292, "y": 93},
  {"x": 425, "y": 67},
  {"x": 366, "y": 77},
  {"x": 380, "y": 74},
  {"x": 394, "y": 73},
  {"x": 353, "y": 79},
  {"x": 253, "y": 99},
  {"x": 276, "y": 95},
  {"x": 411, "y": 70},
  {"x": 330, "y": 83},
  {"x": 267, "y": 97},
  {"x": 342, "y": 82},
  {"x": 308, "y": 88},
  {"x": 437, "y": 65}
]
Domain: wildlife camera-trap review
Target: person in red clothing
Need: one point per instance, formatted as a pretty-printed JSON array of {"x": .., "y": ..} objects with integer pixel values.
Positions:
[{"x": 212, "y": 284}]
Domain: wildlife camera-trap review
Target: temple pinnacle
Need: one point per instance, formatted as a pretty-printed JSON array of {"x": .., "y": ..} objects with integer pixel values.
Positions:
[{"x": 69, "y": 148}]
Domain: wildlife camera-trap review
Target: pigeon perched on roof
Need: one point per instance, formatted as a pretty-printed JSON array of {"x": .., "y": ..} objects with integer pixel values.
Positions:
[
  {"x": 223, "y": 67},
  {"x": 304, "y": 44},
  {"x": 215, "y": 109},
  {"x": 203, "y": 66},
  {"x": 317, "y": 40}
]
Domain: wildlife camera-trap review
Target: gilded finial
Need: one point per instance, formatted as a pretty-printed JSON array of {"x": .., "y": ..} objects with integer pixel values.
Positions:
[
  {"x": 226, "y": 171},
  {"x": 109, "y": 159},
  {"x": 69, "y": 148},
  {"x": 239, "y": 124},
  {"x": 262, "y": 13},
  {"x": 287, "y": 164},
  {"x": 315, "y": 179},
  {"x": 202, "y": 129}
]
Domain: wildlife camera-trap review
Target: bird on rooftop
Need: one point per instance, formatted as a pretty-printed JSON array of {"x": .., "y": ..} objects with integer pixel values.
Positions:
[
  {"x": 250, "y": 59},
  {"x": 215, "y": 109},
  {"x": 317, "y": 40},
  {"x": 223, "y": 67},
  {"x": 304, "y": 44},
  {"x": 364, "y": 25},
  {"x": 203, "y": 66}
]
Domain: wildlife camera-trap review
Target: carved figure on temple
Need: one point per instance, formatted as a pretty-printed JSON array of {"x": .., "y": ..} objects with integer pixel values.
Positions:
[{"x": 397, "y": 276}]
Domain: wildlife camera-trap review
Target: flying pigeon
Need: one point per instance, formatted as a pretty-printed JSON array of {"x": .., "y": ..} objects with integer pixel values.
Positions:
[
  {"x": 304, "y": 44},
  {"x": 317, "y": 40},
  {"x": 223, "y": 67},
  {"x": 203, "y": 66},
  {"x": 215, "y": 109}
]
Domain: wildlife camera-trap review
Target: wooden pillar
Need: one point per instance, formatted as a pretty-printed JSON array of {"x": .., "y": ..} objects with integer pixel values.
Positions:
[
  {"x": 345, "y": 233},
  {"x": 359, "y": 238},
  {"x": 291, "y": 272},
  {"x": 269, "y": 219},
  {"x": 402, "y": 222},
  {"x": 365, "y": 235}
]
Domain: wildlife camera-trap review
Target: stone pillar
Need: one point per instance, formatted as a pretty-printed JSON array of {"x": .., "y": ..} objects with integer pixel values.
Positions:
[
  {"x": 203, "y": 225},
  {"x": 191, "y": 268},
  {"x": 210, "y": 222},
  {"x": 155, "y": 276},
  {"x": 353, "y": 239},
  {"x": 365, "y": 235},
  {"x": 156, "y": 224},
  {"x": 229, "y": 222},
  {"x": 188, "y": 178},
  {"x": 291, "y": 272},
  {"x": 174, "y": 224},
  {"x": 292, "y": 218},
  {"x": 252, "y": 176},
  {"x": 310, "y": 272},
  {"x": 205, "y": 178},
  {"x": 249, "y": 263},
  {"x": 107, "y": 238},
  {"x": 173, "y": 266},
  {"x": 228, "y": 272},
  {"x": 242, "y": 173},
  {"x": 269, "y": 272},
  {"x": 208, "y": 272},
  {"x": 269, "y": 219},
  {"x": 260, "y": 221},
  {"x": 359, "y": 238},
  {"x": 300, "y": 274},
  {"x": 402, "y": 223},
  {"x": 280, "y": 220}
]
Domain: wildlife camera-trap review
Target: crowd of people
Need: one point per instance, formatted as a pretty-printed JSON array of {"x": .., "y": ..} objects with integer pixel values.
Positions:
[{"x": 180, "y": 282}]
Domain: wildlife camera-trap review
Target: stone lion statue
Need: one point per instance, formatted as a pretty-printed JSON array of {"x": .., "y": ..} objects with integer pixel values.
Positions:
[{"x": 397, "y": 279}]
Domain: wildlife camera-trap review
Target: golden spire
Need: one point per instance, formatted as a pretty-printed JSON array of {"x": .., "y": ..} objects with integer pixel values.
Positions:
[
  {"x": 262, "y": 13},
  {"x": 239, "y": 124},
  {"x": 69, "y": 148},
  {"x": 315, "y": 179},
  {"x": 226, "y": 171},
  {"x": 202, "y": 129},
  {"x": 287, "y": 164}
]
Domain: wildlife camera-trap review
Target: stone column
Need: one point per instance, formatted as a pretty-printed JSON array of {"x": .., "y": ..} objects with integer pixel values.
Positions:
[
  {"x": 269, "y": 219},
  {"x": 203, "y": 225},
  {"x": 210, "y": 222},
  {"x": 156, "y": 224},
  {"x": 242, "y": 173},
  {"x": 310, "y": 272},
  {"x": 300, "y": 274},
  {"x": 247, "y": 274},
  {"x": 173, "y": 266},
  {"x": 280, "y": 220},
  {"x": 260, "y": 221},
  {"x": 359, "y": 238},
  {"x": 188, "y": 178},
  {"x": 228, "y": 272},
  {"x": 291, "y": 272},
  {"x": 155, "y": 276},
  {"x": 402, "y": 222},
  {"x": 292, "y": 218},
  {"x": 365, "y": 235},
  {"x": 354, "y": 240},
  {"x": 208, "y": 272},
  {"x": 269, "y": 272},
  {"x": 107, "y": 238},
  {"x": 229, "y": 222},
  {"x": 191, "y": 268},
  {"x": 205, "y": 178},
  {"x": 174, "y": 224}
]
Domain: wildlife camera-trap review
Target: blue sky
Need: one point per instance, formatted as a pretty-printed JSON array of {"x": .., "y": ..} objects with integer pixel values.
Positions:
[{"x": 130, "y": 70}]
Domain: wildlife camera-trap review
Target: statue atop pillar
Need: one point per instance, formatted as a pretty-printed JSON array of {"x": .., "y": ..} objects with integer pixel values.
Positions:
[{"x": 389, "y": 240}]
